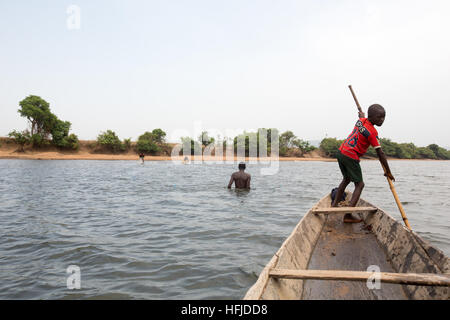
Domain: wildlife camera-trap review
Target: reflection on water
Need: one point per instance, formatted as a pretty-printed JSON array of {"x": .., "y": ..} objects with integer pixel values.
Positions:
[{"x": 165, "y": 231}]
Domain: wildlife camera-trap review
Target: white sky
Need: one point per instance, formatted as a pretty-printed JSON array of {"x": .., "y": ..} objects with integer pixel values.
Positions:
[{"x": 139, "y": 65}]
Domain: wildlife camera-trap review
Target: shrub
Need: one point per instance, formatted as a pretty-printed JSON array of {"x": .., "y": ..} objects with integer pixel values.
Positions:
[
  {"x": 439, "y": 152},
  {"x": 70, "y": 142},
  {"x": 21, "y": 138},
  {"x": 194, "y": 145},
  {"x": 330, "y": 146},
  {"x": 44, "y": 123},
  {"x": 110, "y": 141},
  {"x": 304, "y": 146},
  {"x": 205, "y": 139},
  {"x": 37, "y": 140},
  {"x": 147, "y": 146},
  {"x": 425, "y": 153},
  {"x": 158, "y": 136},
  {"x": 127, "y": 144},
  {"x": 149, "y": 141}
]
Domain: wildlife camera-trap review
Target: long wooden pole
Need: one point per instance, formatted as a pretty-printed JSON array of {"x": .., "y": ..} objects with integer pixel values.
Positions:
[
  {"x": 354, "y": 97},
  {"x": 391, "y": 184},
  {"x": 397, "y": 200}
]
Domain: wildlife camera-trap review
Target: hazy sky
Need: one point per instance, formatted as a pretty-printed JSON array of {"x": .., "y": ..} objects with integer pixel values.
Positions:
[{"x": 138, "y": 65}]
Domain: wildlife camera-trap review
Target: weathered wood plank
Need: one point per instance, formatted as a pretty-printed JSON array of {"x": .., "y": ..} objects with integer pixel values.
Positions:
[
  {"x": 348, "y": 246},
  {"x": 420, "y": 279},
  {"x": 344, "y": 209}
]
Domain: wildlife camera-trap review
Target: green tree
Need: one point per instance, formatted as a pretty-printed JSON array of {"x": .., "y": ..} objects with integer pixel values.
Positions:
[
  {"x": 304, "y": 146},
  {"x": 110, "y": 141},
  {"x": 21, "y": 138},
  {"x": 159, "y": 136},
  {"x": 425, "y": 153},
  {"x": 127, "y": 144},
  {"x": 290, "y": 144},
  {"x": 205, "y": 139},
  {"x": 409, "y": 150},
  {"x": 60, "y": 130},
  {"x": 194, "y": 145},
  {"x": 247, "y": 137},
  {"x": 389, "y": 147},
  {"x": 44, "y": 123},
  {"x": 330, "y": 146},
  {"x": 60, "y": 135},
  {"x": 439, "y": 152},
  {"x": 37, "y": 111},
  {"x": 287, "y": 139},
  {"x": 148, "y": 143},
  {"x": 70, "y": 142},
  {"x": 37, "y": 140}
]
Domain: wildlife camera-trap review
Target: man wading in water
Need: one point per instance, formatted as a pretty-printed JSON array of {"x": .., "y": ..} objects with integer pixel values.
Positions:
[
  {"x": 240, "y": 178},
  {"x": 364, "y": 135}
]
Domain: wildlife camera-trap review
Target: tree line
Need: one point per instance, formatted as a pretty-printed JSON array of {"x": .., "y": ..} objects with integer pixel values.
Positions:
[
  {"x": 330, "y": 147},
  {"x": 289, "y": 145},
  {"x": 47, "y": 129}
]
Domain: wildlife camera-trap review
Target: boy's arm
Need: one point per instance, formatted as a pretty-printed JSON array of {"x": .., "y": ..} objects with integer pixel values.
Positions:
[
  {"x": 248, "y": 181},
  {"x": 384, "y": 163},
  {"x": 231, "y": 182},
  {"x": 361, "y": 114}
]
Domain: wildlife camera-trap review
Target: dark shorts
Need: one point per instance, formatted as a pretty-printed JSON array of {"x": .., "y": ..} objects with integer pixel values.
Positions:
[{"x": 350, "y": 168}]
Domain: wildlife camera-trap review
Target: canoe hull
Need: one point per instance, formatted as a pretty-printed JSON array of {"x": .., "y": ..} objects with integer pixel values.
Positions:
[{"x": 323, "y": 242}]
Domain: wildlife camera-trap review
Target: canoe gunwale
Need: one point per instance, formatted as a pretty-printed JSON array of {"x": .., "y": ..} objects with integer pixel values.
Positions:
[{"x": 257, "y": 290}]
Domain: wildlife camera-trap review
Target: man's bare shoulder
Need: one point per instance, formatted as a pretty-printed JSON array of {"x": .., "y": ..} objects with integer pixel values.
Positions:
[{"x": 239, "y": 174}]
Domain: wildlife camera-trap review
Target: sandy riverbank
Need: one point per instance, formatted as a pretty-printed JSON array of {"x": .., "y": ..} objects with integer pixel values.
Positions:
[
  {"x": 9, "y": 150},
  {"x": 86, "y": 151}
]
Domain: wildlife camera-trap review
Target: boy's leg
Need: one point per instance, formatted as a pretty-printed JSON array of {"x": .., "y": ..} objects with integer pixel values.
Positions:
[
  {"x": 340, "y": 191},
  {"x": 359, "y": 186}
]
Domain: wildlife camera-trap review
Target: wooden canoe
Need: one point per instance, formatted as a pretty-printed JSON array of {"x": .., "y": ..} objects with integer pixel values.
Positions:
[{"x": 324, "y": 258}]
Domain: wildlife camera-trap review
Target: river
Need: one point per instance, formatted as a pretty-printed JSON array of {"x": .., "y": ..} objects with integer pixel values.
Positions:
[{"x": 167, "y": 231}]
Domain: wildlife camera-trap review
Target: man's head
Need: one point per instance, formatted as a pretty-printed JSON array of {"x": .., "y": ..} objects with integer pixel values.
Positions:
[
  {"x": 241, "y": 166},
  {"x": 376, "y": 114}
]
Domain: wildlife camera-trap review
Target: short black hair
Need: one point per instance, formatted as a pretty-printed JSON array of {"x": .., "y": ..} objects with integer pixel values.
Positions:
[
  {"x": 241, "y": 166},
  {"x": 375, "y": 109}
]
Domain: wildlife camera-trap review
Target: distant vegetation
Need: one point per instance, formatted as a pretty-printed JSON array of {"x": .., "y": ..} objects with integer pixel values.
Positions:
[
  {"x": 289, "y": 144},
  {"x": 109, "y": 141},
  {"x": 330, "y": 147},
  {"x": 46, "y": 129},
  {"x": 150, "y": 143}
]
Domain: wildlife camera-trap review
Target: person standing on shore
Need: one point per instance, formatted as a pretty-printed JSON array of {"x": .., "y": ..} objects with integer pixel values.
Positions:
[
  {"x": 363, "y": 135},
  {"x": 240, "y": 178}
]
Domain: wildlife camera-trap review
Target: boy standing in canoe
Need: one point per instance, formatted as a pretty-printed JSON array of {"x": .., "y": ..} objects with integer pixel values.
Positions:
[{"x": 363, "y": 135}]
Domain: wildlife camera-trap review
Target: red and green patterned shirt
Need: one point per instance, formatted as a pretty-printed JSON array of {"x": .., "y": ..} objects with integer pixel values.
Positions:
[{"x": 363, "y": 135}]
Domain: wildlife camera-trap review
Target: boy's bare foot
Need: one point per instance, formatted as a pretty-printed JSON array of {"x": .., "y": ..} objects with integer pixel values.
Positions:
[{"x": 348, "y": 218}]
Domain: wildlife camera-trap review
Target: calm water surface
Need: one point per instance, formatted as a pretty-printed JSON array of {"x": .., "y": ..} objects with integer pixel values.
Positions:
[{"x": 167, "y": 231}]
